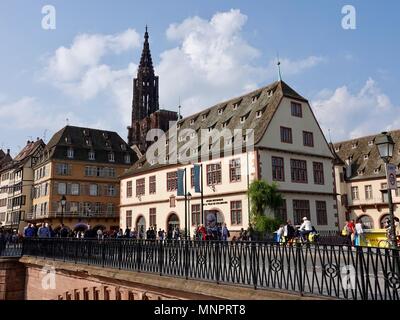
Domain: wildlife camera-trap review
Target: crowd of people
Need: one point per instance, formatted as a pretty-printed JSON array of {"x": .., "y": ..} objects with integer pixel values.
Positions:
[
  {"x": 288, "y": 233},
  {"x": 354, "y": 232}
]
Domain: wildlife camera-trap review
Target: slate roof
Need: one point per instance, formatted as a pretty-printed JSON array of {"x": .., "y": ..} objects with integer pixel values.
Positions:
[
  {"x": 366, "y": 162},
  {"x": 82, "y": 140},
  {"x": 266, "y": 100},
  {"x": 5, "y": 159}
]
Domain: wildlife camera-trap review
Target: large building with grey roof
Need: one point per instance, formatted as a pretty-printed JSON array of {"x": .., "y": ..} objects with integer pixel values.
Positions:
[
  {"x": 274, "y": 136},
  {"x": 361, "y": 181}
]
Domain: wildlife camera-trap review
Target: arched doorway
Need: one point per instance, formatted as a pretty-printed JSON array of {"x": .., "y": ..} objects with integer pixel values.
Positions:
[
  {"x": 81, "y": 227},
  {"x": 214, "y": 218},
  {"x": 99, "y": 226},
  {"x": 366, "y": 221},
  {"x": 141, "y": 224},
  {"x": 173, "y": 221}
]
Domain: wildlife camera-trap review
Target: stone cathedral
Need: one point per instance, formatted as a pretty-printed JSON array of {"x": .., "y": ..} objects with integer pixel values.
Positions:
[{"x": 146, "y": 114}]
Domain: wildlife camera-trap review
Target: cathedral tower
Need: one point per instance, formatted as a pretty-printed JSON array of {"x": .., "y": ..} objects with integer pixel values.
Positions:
[{"x": 145, "y": 105}]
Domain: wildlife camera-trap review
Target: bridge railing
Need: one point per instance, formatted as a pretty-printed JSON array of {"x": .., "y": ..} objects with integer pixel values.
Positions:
[{"x": 342, "y": 272}]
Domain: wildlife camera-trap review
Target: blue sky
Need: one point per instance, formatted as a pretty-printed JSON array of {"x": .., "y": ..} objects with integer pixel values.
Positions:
[{"x": 204, "y": 52}]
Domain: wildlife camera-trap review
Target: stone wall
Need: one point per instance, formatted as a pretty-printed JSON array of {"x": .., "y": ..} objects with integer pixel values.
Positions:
[{"x": 12, "y": 279}]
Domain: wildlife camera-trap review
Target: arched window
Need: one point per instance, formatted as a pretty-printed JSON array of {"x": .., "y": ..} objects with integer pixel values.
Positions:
[
  {"x": 383, "y": 222},
  {"x": 173, "y": 221},
  {"x": 141, "y": 224},
  {"x": 366, "y": 221}
]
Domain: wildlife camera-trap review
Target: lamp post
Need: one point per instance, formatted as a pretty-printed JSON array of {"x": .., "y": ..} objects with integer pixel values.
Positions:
[
  {"x": 63, "y": 203},
  {"x": 385, "y": 145},
  {"x": 187, "y": 222}
]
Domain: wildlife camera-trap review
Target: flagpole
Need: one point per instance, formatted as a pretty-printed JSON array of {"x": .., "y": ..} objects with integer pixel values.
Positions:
[
  {"x": 185, "y": 207},
  {"x": 202, "y": 195}
]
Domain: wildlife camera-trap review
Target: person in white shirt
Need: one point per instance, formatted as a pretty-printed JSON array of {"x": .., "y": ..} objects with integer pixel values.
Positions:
[
  {"x": 305, "y": 229},
  {"x": 359, "y": 233},
  {"x": 279, "y": 233}
]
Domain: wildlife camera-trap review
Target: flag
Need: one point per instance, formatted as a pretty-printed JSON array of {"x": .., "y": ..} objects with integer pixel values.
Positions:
[
  {"x": 196, "y": 178},
  {"x": 181, "y": 186}
]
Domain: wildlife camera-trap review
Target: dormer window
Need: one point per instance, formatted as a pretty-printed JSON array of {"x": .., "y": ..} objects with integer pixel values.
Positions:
[
  {"x": 70, "y": 153},
  {"x": 123, "y": 147},
  {"x": 105, "y": 135},
  {"x": 85, "y": 132},
  {"x": 371, "y": 143},
  {"x": 354, "y": 145},
  {"x": 377, "y": 170},
  {"x": 337, "y": 149},
  {"x": 68, "y": 140},
  {"x": 236, "y": 104},
  {"x": 221, "y": 110},
  {"x": 92, "y": 155},
  {"x": 259, "y": 114},
  {"x": 195, "y": 151},
  {"x": 204, "y": 116},
  {"x": 270, "y": 93},
  {"x": 366, "y": 156},
  {"x": 255, "y": 98},
  {"x": 127, "y": 158},
  {"x": 108, "y": 145},
  {"x": 111, "y": 157},
  {"x": 193, "y": 135},
  {"x": 244, "y": 118},
  {"x": 192, "y": 122},
  {"x": 88, "y": 142}
]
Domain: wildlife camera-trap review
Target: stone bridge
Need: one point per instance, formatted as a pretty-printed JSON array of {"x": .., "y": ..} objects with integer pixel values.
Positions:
[{"x": 30, "y": 278}]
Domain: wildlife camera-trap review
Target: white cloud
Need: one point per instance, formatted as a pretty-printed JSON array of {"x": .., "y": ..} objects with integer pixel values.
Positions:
[
  {"x": 86, "y": 51},
  {"x": 349, "y": 115},
  {"x": 213, "y": 61},
  {"x": 25, "y": 113}
]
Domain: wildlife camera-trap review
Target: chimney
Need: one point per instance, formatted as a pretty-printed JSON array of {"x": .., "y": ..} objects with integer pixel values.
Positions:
[
  {"x": 349, "y": 170},
  {"x": 28, "y": 142},
  {"x": 8, "y": 151}
]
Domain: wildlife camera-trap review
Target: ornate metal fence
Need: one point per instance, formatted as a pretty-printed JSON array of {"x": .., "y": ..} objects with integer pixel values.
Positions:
[{"x": 325, "y": 270}]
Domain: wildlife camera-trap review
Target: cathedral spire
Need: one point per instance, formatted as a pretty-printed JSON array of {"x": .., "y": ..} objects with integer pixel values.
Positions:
[{"x": 146, "y": 62}]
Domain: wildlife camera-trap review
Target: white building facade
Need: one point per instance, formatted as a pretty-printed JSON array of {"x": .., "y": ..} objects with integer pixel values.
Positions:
[{"x": 284, "y": 144}]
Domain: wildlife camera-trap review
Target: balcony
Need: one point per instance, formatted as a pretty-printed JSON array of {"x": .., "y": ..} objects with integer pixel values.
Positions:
[
  {"x": 373, "y": 202},
  {"x": 79, "y": 215}
]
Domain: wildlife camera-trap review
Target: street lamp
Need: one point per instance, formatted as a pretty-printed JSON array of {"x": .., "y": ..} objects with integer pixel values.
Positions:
[
  {"x": 63, "y": 203},
  {"x": 385, "y": 145},
  {"x": 187, "y": 220}
]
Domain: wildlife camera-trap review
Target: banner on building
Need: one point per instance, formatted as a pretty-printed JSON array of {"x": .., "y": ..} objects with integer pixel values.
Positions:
[
  {"x": 196, "y": 178},
  {"x": 181, "y": 186},
  {"x": 391, "y": 176}
]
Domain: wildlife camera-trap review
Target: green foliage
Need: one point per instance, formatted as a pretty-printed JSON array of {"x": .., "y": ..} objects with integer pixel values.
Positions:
[
  {"x": 265, "y": 224},
  {"x": 262, "y": 196}
]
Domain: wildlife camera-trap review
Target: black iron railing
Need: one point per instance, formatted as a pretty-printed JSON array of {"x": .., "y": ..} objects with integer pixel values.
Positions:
[{"x": 326, "y": 270}]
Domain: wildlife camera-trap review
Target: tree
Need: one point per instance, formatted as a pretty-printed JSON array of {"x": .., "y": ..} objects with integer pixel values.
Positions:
[{"x": 262, "y": 196}]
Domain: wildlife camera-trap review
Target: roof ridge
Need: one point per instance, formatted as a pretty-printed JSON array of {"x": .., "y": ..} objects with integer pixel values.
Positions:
[
  {"x": 229, "y": 100},
  {"x": 365, "y": 137}
]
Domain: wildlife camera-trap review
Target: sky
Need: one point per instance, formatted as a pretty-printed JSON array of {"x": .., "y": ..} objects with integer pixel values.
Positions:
[{"x": 81, "y": 72}]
